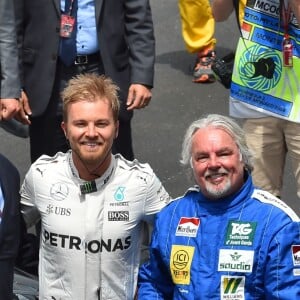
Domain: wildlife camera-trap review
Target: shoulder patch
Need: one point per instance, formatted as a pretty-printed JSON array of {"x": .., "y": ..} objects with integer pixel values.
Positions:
[
  {"x": 192, "y": 189},
  {"x": 46, "y": 159},
  {"x": 135, "y": 164},
  {"x": 267, "y": 197}
]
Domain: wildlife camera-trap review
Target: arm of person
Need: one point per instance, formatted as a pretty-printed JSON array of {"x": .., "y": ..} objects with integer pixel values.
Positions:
[
  {"x": 139, "y": 96},
  {"x": 154, "y": 281},
  {"x": 10, "y": 83},
  {"x": 9, "y": 107},
  {"x": 282, "y": 276},
  {"x": 157, "y": 196},
  {"x": 25, "y": 110},
  {"x": 141, "y": 44},
  {"x": 222, "y": 9},
  {"x": 29, "y": 211},
  {"x": 295, "y": 6}
]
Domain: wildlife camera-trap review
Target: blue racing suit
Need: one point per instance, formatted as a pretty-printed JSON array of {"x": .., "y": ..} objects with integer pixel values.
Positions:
[{"x": 246, "y": 246}]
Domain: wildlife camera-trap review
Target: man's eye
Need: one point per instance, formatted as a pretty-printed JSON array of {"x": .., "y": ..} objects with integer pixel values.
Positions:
[
  {"x": 201, "y": 158},
  {"x": 101, "y": 124},
  {"x": 223, "y": 154},
  {"x": 80, "y": 124}
]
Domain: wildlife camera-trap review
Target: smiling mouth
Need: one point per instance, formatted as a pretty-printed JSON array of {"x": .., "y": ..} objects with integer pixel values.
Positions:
[
  {"x": 91, "y": 144},
  {"x": 216, "y": 178}
]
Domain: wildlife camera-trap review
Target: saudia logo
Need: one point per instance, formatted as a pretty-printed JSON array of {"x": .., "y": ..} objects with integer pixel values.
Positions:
[
  {"x": 93, "y": 246},
  {"x": 235, "y": 266},
  {"x": 236, "y": 260}
]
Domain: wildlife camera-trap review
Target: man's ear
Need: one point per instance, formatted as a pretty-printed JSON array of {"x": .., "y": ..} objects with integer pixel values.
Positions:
[
  {"x": 117, "y": 129},
  {"x": 63, "y": 127}
]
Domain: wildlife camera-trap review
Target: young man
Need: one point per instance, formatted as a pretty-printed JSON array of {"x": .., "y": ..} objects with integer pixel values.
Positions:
[
  {"x": 93, "y": 205},
  {"x": 224, "y": 239}
]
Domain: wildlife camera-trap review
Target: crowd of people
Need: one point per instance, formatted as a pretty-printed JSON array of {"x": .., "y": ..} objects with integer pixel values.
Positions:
[{"x": 95, "y": 205}]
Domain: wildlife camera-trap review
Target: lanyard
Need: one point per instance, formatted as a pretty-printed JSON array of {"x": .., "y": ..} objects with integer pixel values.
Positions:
[
  {"x": 287, "y": 44},
  {"x": 286, "y": 13},
  {"x": 68, "y": 11}
]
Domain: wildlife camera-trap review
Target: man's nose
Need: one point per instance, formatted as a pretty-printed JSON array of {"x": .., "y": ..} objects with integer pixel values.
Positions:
[
  {"x": 91, "y": 130},
  {"x": 214, "y": 162}
]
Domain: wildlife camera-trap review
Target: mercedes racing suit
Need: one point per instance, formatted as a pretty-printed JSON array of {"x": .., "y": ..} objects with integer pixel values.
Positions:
[
  {"x": 243, "y": 247},
  {"x": 91, "y": 232}
]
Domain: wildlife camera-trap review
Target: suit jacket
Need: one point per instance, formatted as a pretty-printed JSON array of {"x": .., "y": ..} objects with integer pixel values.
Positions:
[
  {"x": 125, "y": 36},
  {"x": 10, "y": 225},
  {"x": 9, "y": 82}
]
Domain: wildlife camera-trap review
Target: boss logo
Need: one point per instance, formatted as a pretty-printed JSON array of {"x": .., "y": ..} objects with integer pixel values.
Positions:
[{"x": 118, "y": 215}]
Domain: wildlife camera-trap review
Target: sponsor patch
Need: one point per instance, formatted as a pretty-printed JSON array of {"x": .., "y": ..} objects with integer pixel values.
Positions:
[
  {"x": 240, "y": 233},
  {"x": 119, "y": 193},
  {"x": 296, "y": 272},
  {"x": 188, "y": 227},
  {"x": 232, "y": 260},
  {"x": 233, "y": 287},
  {"x": 296, "y": 255},
  {"x": 59, "y": 211},
  {"x": 120, "y": 215},
  {"x": 59, "y": 191},
  {"x": 180, "y": 263}
]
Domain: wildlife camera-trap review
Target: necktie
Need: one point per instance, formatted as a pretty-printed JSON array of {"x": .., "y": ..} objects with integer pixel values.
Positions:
[{"x": 67, "y": 51}]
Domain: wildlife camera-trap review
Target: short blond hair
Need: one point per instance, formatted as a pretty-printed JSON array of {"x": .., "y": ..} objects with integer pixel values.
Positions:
[{"x": 91, "y": 87}]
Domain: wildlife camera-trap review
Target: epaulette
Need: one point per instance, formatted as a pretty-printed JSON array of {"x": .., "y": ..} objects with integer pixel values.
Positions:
[
  {"x": 192, "y": 189},
  {"x": 267, "y": 197},
  {"x": 46, "y": 159},
  {"x": 134, "y": 164}
]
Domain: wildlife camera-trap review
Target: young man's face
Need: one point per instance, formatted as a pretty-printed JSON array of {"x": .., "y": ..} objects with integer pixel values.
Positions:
[
  {"x": 217, "y": 164},
  {"x": 91, "y": 130}
]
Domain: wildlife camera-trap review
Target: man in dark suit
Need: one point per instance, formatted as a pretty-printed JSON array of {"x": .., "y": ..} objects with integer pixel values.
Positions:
[
  {"x": 9, "y": 82},
  {"x": 9, "y": 225},
  {"x": 113, "y": 37}
]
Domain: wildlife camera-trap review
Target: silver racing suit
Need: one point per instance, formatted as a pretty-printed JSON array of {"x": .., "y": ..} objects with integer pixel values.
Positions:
[{"x": 91, "y": 232}]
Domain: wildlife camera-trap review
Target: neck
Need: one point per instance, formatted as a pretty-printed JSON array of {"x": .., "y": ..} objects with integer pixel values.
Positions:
[{"x": 91, "y": 171}]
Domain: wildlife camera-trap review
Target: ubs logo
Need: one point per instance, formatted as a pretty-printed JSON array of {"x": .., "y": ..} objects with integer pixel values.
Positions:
[{"x": 60, "y": 211}]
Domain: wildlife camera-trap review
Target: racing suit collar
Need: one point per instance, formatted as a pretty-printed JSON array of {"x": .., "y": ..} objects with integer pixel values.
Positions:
[
  {"x": 99, "y": 182},
  {"x": 227, "y": 202}
]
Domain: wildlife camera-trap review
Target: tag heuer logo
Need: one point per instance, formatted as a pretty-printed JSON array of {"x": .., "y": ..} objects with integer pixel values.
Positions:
[
  {"x": 118, "y": 215},
  {"x": 240, "y": 233}
]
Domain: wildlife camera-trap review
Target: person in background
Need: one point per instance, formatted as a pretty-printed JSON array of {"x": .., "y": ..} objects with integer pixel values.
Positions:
[
  {"x": 9, "y": 81},
  {"x": 62, "y": 38},
  {"x": 10, "y": 91},
  {"x": 225, "y": 238},
  {"x": 93, "y": 205},
  {"x": 265, "y": 86},
  {"x": 198, "y": 32},
  {"x": 9, "y": 225}
]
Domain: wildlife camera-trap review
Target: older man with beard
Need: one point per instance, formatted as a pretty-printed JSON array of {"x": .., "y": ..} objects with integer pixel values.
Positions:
[{"x": 224, "y": 239}]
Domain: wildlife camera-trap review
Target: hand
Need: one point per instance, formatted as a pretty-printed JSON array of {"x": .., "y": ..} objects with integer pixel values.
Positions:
[
  {"x": 25, "y": 110},
  {"x": 139, "y": 96},
  {"x": 9, "y": 108}
]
